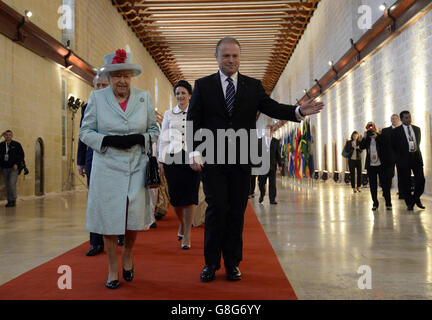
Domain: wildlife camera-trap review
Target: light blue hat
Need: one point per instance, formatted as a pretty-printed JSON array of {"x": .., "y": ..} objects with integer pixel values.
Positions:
[{"x": 109, "y": 66}]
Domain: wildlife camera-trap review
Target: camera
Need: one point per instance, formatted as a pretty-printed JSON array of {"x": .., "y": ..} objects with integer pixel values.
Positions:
[{"x": 370, "y": 133}]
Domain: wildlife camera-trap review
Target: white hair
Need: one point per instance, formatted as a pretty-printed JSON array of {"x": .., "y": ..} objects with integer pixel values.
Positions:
[{"x": 96, "y": 78}]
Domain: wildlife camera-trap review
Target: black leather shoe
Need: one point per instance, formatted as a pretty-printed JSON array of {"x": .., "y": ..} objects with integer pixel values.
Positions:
[
  {"x": 94, "y": 250},
  {"x": 260, "y": 200},
  {"x": 273, "y": 202},
  {"x": 10, "y": 204},
  {"x": 120, "y": 240},
  {"x": 420, "y": 205},
  {"x": 128, "y": 275},
  {"x": 233, "y": 273},
  {"x": 410, "y": 208},
  {"x": 114, "y": 284},
  {"x": 153, "y": 225},
  {"x": 375, "y": 207},
  {"x": 158, "y": 216},
  {"x": 208, "y": 273}
]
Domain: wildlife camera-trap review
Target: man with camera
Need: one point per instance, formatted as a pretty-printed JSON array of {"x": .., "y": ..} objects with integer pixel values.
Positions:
[
  {"x": 377, "y": 163},
  {"x": 11, "y": 161}
]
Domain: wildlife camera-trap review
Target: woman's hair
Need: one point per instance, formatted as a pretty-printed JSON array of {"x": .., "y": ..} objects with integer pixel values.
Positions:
[
  {"x": 184, "y": 84},
  {"x": 352, "y": 134}
]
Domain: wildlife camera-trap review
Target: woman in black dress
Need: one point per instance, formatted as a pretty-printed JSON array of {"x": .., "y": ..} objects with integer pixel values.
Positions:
[{"x": 183, "y": 182}]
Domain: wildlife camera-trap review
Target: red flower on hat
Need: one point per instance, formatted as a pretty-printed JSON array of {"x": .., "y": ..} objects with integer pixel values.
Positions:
[{"x": 120, "y": 56}]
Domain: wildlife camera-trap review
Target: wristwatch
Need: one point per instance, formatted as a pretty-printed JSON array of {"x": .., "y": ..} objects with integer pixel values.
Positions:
[{"x": 301, "y": 112}]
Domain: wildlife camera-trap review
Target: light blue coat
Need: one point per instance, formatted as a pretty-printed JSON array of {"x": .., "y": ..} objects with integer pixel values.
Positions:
[{"x": 118, "y": 174}]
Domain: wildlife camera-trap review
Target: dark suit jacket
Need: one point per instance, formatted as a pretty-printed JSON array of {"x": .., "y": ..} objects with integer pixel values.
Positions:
[
  {"x": 208, "y": 109},
  {"x": 401, "y": 148},
  {"x": 350, "y": 149},
  {"x": 387, "y": 133},
  {"x": 16, "y": 154},
  {"x": 84, "y": 153},
  {"x": 382, "y": 149},
  {"x": 275, "y": 153}
]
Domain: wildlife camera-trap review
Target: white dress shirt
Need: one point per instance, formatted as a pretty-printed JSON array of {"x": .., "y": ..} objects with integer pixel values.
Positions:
[
  {"x": 224, "y": 83},
  {"x": 268, "y": 142},
  {"x": 173, "y": 133},
  {"x": 412, "y": 142},
  {"x": 374, "y": 159}
]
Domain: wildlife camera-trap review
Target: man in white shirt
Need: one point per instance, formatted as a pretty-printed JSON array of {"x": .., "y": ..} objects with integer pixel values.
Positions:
[
  {"x": 222, "y": 101},
  {"x": 405, "y": 141}
]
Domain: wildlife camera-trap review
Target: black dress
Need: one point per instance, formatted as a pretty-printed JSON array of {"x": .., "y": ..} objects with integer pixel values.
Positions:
[{"x": 183, "y": 184}]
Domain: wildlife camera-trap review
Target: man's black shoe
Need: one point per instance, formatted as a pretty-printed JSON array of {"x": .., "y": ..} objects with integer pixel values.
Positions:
[
  {"x": 153, "y": 225},
  {"x": 158, "y": 216},
  {"x": 208, "y": 273},
  {"x": 233, "y": 273},
  {"x": 273, "y": 202},
  {"x": 94, "y": 250},
  {"x": 120, "y": 240},
  {"x": 10, "y": 204},
  {"x": 420, "y": 205},
  {"x": 410, "y": 208},
  {"x": 260, "y": 200}
]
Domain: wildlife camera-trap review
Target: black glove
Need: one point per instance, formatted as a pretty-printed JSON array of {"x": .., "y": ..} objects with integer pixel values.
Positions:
[
  {"x": 115, "y": 142},
  {"x": 123, "y": 142},
  {"x": 134, "y": 139}
]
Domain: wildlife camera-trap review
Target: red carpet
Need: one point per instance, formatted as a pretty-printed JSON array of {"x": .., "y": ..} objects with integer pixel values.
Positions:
[{"x": 162, "y": 271}]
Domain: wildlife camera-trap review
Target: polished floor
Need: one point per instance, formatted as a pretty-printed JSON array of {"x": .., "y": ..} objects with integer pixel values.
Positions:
[{"x": 321, "y": 233}]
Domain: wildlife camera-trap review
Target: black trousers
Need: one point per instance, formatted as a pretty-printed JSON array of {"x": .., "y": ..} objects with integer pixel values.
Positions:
[
  {"x": 252, "y": 184},
  {"x": 419, "y": 181},
  {"x": 385, "y": 180},
  {"x": 353, "y": 165},
  {"x": 262, "y": 180},
  {"x": 226, "y": 188}
]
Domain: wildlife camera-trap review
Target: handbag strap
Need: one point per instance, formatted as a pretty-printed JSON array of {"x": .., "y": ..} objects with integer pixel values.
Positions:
[{"x": 150, "y": 152}]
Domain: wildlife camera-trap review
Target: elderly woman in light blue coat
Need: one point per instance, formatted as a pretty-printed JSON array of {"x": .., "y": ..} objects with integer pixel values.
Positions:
[{"x": 118, "y": 124}]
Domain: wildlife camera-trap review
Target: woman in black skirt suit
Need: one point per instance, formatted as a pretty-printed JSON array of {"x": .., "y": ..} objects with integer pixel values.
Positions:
[{"x": 183, "y": 182}]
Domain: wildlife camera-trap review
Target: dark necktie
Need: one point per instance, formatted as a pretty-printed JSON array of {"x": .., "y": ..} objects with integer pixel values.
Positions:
[{"x": 229, "y": 97}]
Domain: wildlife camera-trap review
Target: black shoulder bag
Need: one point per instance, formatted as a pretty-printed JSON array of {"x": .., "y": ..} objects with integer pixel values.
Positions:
[{"x": 152, "y": 178}]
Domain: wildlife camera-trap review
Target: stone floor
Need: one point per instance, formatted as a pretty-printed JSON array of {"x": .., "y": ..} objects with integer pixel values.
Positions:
[
  {"x": 322, "y": 234},
  {"x": 325, "y": 233}
]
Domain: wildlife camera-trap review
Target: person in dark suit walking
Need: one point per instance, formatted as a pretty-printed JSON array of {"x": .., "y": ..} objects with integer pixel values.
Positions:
[
  {"x": 227, "y": 102},
  {"x": 387, "y": 132},
  {"x": 377, "y": 163},
  {"x": 84, "y": 164},
  {"x": 406, "y": 145},
  {"x": 11, "y": 159},
  {"x": 272, "y": 149}
]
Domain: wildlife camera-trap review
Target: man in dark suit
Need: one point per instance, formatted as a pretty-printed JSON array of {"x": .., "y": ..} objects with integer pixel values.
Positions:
[
  {"x": 377, "y": 163},
  {"x": 224, "y": 101},
  {"x": 272, "y": 150},
  {"x": 406, "y": 145},
  {"x": 84, "y": 164},
  {"x": 11, "y": 158},
  {"x": 395, "y": 122}
]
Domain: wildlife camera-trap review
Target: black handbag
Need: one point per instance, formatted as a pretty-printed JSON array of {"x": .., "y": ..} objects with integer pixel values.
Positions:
[
  {"x": 345, "y": 153},
  {"x": 152, "y": 178}
]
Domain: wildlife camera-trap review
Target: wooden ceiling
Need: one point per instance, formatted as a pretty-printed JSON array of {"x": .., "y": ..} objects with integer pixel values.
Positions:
[{"x": 181, "y": 35}]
